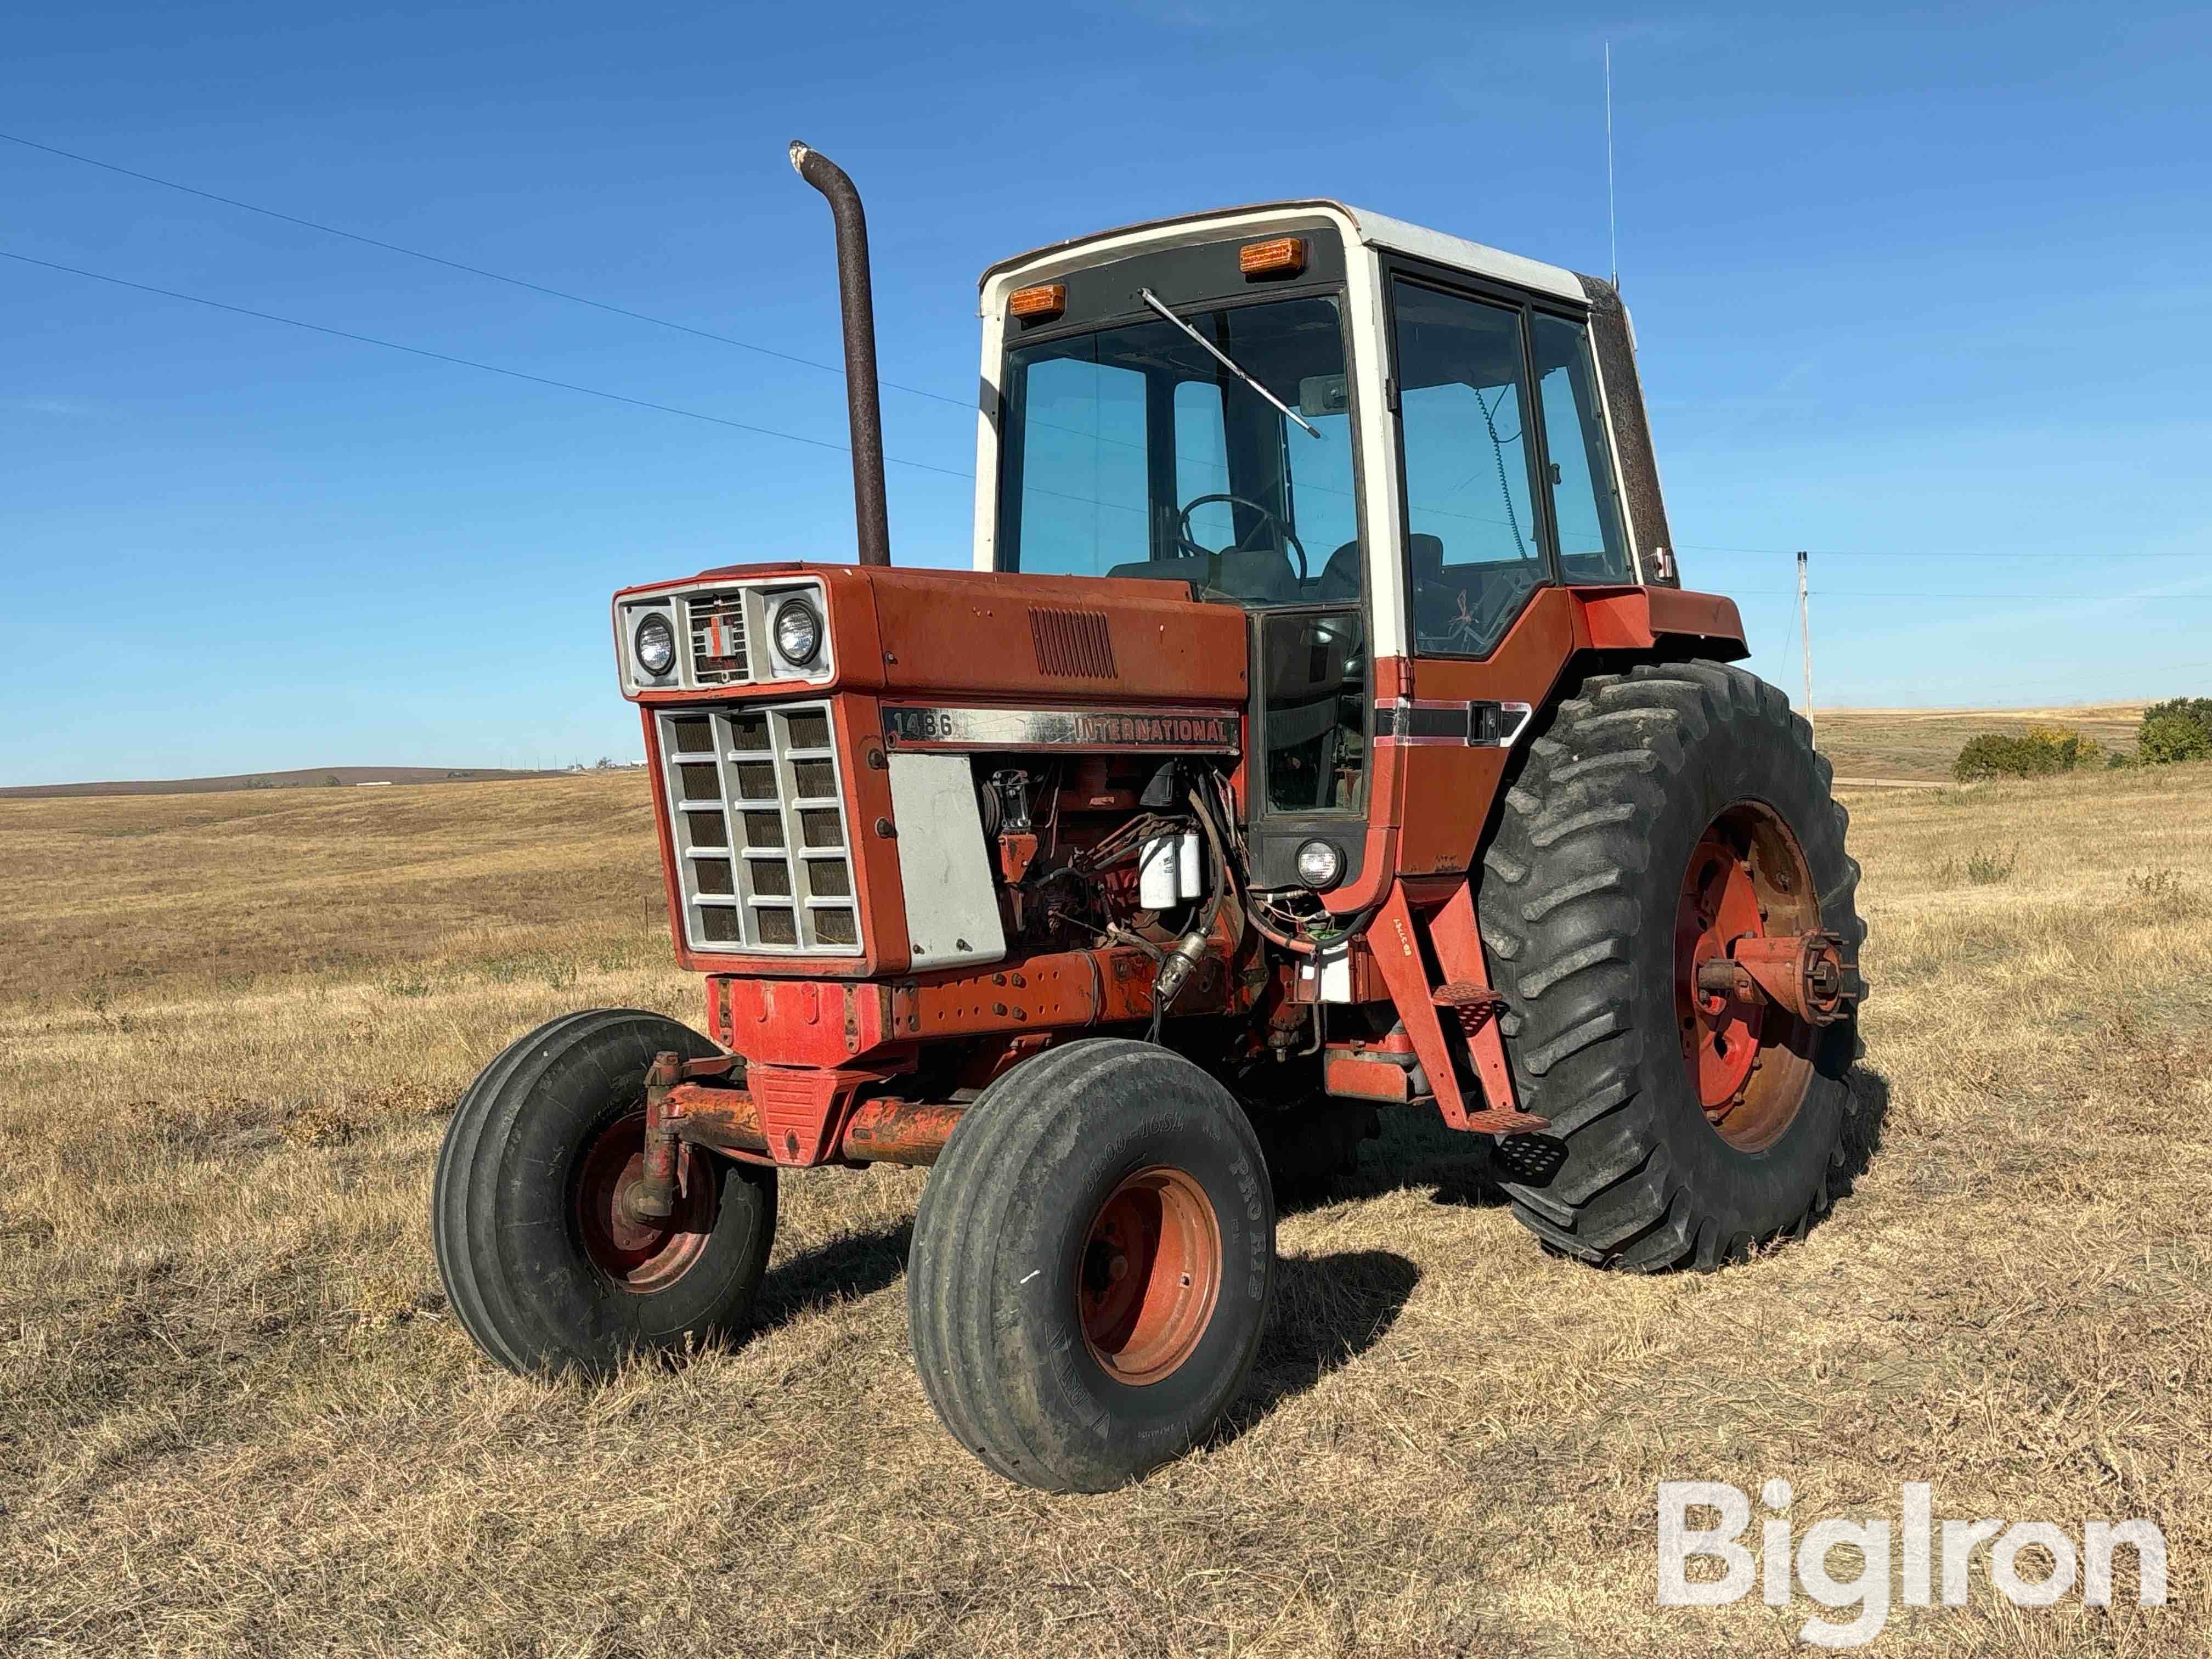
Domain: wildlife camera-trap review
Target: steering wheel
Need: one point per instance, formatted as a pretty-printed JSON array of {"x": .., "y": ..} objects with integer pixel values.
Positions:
[{"x": 1284, "y": 536}]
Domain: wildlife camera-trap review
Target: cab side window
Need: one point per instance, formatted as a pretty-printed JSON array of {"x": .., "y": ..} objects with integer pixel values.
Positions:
[
  {"x": 1585, "y": 506},
  {"x": 1473, "y": 544}
]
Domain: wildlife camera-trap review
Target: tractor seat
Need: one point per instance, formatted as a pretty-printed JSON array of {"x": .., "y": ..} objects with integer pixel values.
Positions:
[
  {"x": 1264, "y": 577},
  {"x": 1339, "y": 577}
]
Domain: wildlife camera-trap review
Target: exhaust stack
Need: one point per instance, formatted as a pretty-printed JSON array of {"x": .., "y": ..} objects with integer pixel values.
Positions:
[{"x": 856, "y": 300}]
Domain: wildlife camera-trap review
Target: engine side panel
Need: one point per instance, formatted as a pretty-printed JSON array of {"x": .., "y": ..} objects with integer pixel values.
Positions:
[{"x": 949, "y": 878}]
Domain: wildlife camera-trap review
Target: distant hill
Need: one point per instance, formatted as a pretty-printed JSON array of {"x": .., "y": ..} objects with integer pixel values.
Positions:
[
  {"x": 1919, "y": 744},
  {"x": 1865, "y": 744},
  {"x": 308, "y": 777}
]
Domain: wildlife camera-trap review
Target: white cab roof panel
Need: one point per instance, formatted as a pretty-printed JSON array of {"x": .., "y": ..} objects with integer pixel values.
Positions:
[
  {"x": 1375, "y": 229},
  {"x": 1380, "y": 230}
]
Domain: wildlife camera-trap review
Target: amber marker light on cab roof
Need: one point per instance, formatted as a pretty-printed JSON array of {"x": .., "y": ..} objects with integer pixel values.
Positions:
[
  {"x": 1278, "y": 256},
  {"x": 1047, "y": 299}
]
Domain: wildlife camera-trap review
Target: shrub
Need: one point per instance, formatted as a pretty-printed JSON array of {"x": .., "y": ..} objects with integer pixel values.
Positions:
[
  {"x": 2088, "y": 753},
  {"x": 1985, "y": 866},
  {"x": 2168, "y": 893},
  {"x": 2180, "y": 730},
  {"x": 1992, "y": 755},
  {"x": 2035, "y": 753},
  {"x": 2192, "y": 708}
]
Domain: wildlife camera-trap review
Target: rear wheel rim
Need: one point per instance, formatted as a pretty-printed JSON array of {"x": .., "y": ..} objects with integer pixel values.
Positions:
[
  {"x": 637, "y": 1256},
  {"x": 1749, "y": 1060},
  {"x": 1148, "y": 1275}
]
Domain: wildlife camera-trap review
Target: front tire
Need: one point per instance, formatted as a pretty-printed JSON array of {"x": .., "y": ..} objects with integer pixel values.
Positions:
[
  {"x": 541, "y": 1264},
  {"x": 1660, "y": 811},
  {"x": 1092, "y": 1267}
]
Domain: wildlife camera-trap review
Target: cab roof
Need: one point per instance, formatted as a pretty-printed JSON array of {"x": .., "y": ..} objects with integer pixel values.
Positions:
[{"x": 1375, "y": 230}]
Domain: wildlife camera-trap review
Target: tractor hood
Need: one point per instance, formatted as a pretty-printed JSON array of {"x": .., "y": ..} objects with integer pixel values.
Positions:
[{"x": 994, "y": 636}]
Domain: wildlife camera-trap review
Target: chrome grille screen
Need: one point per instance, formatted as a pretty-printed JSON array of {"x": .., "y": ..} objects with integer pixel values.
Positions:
[
  {"x": 716, "y": 623},
  {"x": 756, "y": 800}
]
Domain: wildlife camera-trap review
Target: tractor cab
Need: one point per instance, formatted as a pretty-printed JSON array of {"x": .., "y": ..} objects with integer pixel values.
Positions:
[{"x": 1382, "y": 442}]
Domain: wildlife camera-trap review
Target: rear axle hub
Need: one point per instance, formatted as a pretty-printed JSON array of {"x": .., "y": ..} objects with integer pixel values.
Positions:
[{"x": 1755, "y": 975}]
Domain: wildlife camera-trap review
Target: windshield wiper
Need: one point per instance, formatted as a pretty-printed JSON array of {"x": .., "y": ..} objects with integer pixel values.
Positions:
[{"x": 1225, "y": 360}]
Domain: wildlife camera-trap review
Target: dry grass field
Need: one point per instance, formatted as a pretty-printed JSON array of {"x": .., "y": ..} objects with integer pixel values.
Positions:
[
  {"x": 1919, "y": 744},
  {"x": 236, "y": 1418}
]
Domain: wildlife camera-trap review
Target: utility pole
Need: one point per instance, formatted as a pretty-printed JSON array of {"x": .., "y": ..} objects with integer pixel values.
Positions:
[{"x": 1805, "y": 631}]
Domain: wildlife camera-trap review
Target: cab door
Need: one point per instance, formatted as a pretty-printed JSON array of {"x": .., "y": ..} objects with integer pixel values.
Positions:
[{"x": 1502, "y": 459}]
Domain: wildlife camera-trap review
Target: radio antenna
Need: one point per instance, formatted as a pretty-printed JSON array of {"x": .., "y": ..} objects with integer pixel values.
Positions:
[{"x": 1612, "y": 233}]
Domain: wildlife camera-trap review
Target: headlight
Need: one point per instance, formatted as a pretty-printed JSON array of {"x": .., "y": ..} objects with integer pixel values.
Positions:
[
  {"x": 797, "y": 632},
  {"x": 1320, "y": 863},
  {"x": 653, "y": 643}
]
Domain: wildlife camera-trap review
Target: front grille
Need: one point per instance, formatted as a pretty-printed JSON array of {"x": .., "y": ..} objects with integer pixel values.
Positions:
[
  {"x": 761, "y": 848},
  {"x": 716, "y": 621}
]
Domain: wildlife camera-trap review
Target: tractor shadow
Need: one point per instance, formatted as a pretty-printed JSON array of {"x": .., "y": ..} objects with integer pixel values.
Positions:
[
  {"x": 1328, "y": 1310},
  {"x": 1869, "y": 1119},
  {"x": 1417, "y": 1150},
  {"x": 846, "y": 1269},
  {"x": 1414, "y": 1150}
]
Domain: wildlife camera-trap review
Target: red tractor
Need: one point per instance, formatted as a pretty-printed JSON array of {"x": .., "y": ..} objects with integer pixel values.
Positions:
[{"x": 1323, "y": 728}]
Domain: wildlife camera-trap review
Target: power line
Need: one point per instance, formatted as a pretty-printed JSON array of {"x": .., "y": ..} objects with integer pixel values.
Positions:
[
  {"x": 793, "y": 358},
  {"x": 470, "y": 362},
  {"x": 1873, "y": 553},
  {"x": 473, "y": 271},
  {"x": 535, "y": 379},
  {"x": 810, "y": 363},
  {"x": 842, "y": 449},
  {"x": 771, "y": 432},
  {"x": 2091, "y": 668},
  {"x": 962, "y": 405},
  {"x": 1988, "y": 596}
]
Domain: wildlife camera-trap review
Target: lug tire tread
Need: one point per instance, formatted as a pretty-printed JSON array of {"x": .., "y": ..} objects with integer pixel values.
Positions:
[{"x": 1568, "y": 894}]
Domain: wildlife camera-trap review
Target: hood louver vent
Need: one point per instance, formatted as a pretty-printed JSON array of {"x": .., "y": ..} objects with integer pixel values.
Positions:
[{"x": 1073, "y": 644}]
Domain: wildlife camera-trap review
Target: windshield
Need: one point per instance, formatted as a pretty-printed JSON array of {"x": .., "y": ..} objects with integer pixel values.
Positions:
[{"x": 1134, "y": 451}]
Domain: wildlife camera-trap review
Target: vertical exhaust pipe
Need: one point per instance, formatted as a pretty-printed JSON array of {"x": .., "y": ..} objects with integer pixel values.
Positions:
[{"x": 856, "y": 300}]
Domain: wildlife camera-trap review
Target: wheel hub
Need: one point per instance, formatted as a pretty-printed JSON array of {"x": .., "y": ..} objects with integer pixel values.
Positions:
[
  {"x": 1148, "y": 1275},
  {"x": 1745, "y": 920},
  {"x": 641, "y": 1254}
]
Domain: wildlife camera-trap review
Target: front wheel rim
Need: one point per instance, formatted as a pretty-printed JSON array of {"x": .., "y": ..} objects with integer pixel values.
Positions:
[
  {"x": 640, "y": 1257},
  {"x": 1749, "y": 1060},
  {"x": 1148, "y": 1275}
]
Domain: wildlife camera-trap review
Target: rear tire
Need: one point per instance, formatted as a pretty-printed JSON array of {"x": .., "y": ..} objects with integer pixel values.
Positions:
[
  {"x": 539, "y": 1266},
  {"x": 1579, "y": 900},
  {"x": 1058, "y": 1368}
]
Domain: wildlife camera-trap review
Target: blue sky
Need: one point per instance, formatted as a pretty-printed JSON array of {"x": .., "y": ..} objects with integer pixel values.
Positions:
[{"x": 1929, "y": 286}]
